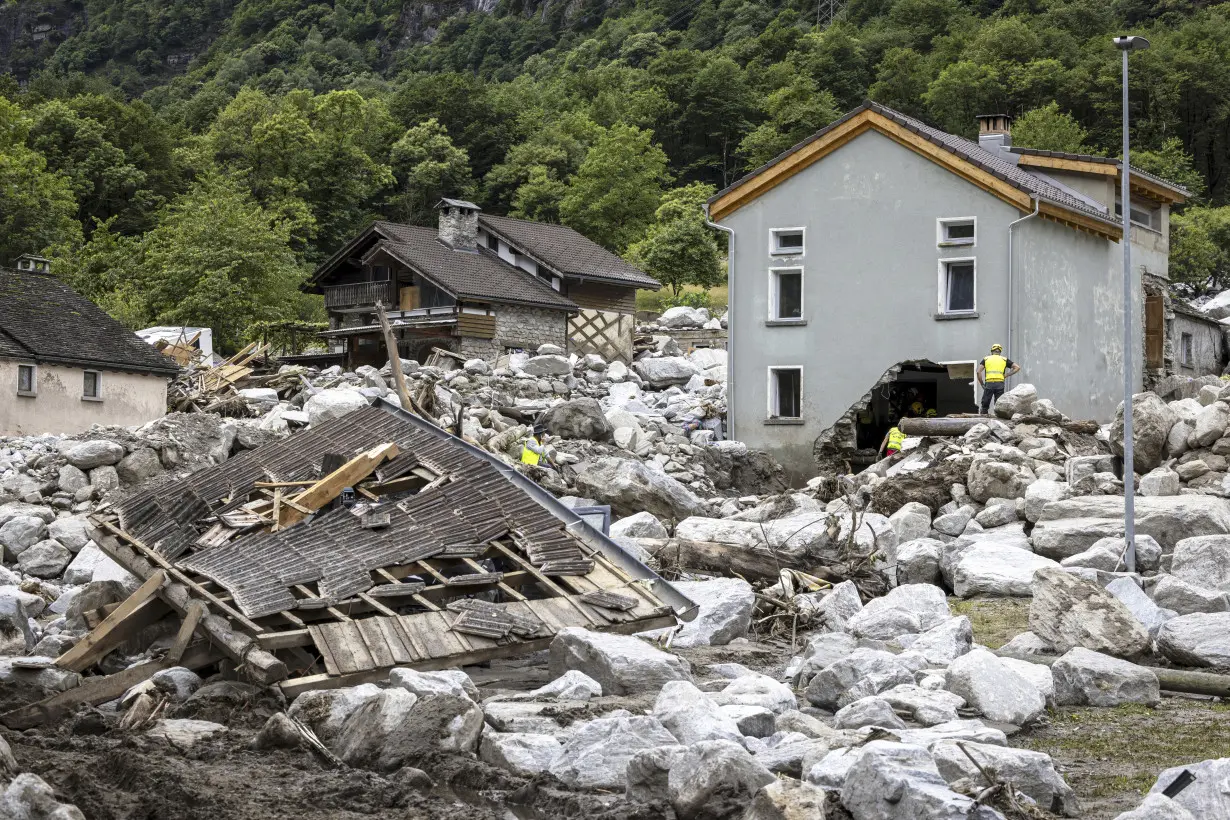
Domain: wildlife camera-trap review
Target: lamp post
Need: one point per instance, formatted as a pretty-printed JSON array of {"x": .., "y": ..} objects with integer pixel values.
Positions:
[{"x": 1126, "y": 44}]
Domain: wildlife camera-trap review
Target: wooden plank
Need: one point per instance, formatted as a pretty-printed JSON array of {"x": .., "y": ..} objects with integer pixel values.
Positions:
[
  {"x": 1155, "y": 330},
  {"x": 431, "y": 630},
  {"x": 326, "y": 652},
  {"x": 111, "y": 632},
  {"x": 196, "y": 611},
  {"x": 348, "y": 647},
  {"x": 287, "y": 639},
  {"x": 331, "y": 486},
  {"x": 373, "y": 638},
  {"x": 390, "y": 344},
  {"x": 395, "y": 639}
]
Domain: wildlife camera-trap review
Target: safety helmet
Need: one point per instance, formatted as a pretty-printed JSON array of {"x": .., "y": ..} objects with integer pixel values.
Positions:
[{"x": 997, "y": 348}]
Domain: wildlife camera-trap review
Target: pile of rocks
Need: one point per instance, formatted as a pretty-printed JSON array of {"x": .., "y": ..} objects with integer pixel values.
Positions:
[{"x": 684, "y": 318}]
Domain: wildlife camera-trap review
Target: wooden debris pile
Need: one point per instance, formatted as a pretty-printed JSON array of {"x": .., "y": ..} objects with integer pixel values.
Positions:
[{"x": 205, "y": 388}]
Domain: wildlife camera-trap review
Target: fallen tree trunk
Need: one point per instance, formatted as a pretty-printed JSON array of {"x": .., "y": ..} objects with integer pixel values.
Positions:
[
  {"x": 751, "y": 563},
  {"x": 940, "y": 427},
  {"x": 1172, "y": 680}
]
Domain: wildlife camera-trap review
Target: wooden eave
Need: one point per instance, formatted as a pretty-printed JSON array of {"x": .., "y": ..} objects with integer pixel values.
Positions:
[
  {"x": 1140, "y": 185},
  {"x": 867, "y": 120}
]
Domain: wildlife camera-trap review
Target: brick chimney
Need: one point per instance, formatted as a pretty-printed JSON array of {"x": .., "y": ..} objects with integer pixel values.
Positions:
[
  {"x": 458, "y": 224},
  {"x": 995, "y": 132}
]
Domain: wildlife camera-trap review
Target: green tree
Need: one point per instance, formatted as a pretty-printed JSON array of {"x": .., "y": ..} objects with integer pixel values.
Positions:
[
  {"x": 1172, "y": 163},
  {"x": 218, "y": 259},
  {"x": 613, "y": 196},
  {"x": 679, "y": 249},
  {"x": 37, "y": 207},
  {"x": 427, "y": 166},
  {"x": 1049, "y": 129},
  {"x": 1200, "y": 248},
  {"x": 794, "y": 113},
  {"x": 901, "y": 81},
  {"x": 539, "y": 197}
]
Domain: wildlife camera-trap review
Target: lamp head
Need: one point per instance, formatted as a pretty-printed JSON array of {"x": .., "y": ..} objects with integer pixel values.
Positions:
[{"x": 1131, "y": 43}]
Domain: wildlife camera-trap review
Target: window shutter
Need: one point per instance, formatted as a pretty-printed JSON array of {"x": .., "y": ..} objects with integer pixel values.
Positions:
[{"x": 1155, "y": 330}]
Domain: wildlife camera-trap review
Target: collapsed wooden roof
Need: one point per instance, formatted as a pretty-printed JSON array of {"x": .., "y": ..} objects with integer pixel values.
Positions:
[{"x": 447, "y": 557}]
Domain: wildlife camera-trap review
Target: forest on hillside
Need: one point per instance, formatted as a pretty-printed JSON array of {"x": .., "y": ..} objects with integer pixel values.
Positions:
[{"x": 189, "y": 161}]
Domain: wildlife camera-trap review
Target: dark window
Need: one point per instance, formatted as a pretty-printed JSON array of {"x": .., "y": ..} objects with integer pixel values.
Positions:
[
  {"x": 788, "y": 299},
  {"x": 788, "y": 241},
  {"x": 959, "y": 232},
  {"x": 787, "y": 388},
  {"x": 92, "y": 385},
  {"x": 958, "y": 287},
  {"x": 25, "y": 378}
]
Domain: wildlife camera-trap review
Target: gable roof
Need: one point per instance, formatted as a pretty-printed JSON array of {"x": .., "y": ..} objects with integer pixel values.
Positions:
[
  {"x": 566, "y": 251},
  {"x": 992, "y": 173},
  {"x": 42, "y": 319},
  {"x": 1141, "y": 181},
  {"x": 480, "y": 275}
]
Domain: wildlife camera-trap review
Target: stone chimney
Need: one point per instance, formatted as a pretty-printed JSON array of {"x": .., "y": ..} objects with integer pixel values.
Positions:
[
  {"x": 995, "y": 133},
  {"x": 458, "y": 224},
  {"x": 35, "y": 264}
]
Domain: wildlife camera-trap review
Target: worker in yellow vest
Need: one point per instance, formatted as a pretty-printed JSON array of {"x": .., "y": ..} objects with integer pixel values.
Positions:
[
  {"x": 532, "y": 449},
  {"x": 893, "y": 439},
  {"x": 992, "y": 372},
  {"x": 918, "y": 411}
]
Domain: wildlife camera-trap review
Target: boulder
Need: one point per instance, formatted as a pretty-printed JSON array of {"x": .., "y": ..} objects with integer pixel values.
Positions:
[
  {"x": 452, "y": 682},
  {"x": 1067, "y": 611},
  {"x": 619, "y": 663},
  {"x": 1168, "y": 519},
  {"x": 177, "y": 683},
  {"x": 1019, "y": 399},
  {"x": 1152, "y": 419},
  {"x": 660, "y": 373},
  {"x": 753, "y": 721},
  {"x": 332, "y": 404},
  {"x": 1205, "y": 797},
  {"x": 1210, "y": 424},
  {"x": 598, "y": 753},
  {"x": 631, "y": 486},
  {"x": 1184, "y": 598},
  {"x": 898, "y": 781},
  {"x": 1032, "y": 773},
  {"x": 757, "y": 690},
  {"x": 994, "y": 689},
  {"x": 944, "y": 643},
  {"x": 1162, "y": 481},
  {"x": 96, "y": 453},
  {"x": 835, "y": 609},
  {"x": 1203, "y": 560},
  {"x": 184, "y": 734},
  {"x": 997, "y": 515},
  {"x": 525, "y": 755},
  {"x": 861, "y": 673},
  {"x": 1158, "y": 807},
  {"x": 925, "y": 601},
  {"x": 20, "y": 533},
  {"x": 868, "y": 711},
  {"x": 28, "y": 797},
  {"x": 647, "y": 774},
  {"x": 1143, "y": 609},
  {"x": 105, "y": 479},
  {"x": 709, "y": 767},
  {"x": 639, "y": 525},
  {"x": 726, "y": 606},
  {"x": 138, "y": 466},
  {"x": 46, "y": 559},
  {"x": 996, "y": 570},
  {"x": 579, "y": 418},
  {"x": 953, "y": 523},
  {"x": 996, "y": 479},
  {"x": 787, "y": 800},
  {"x": 927, "y": 707},
  {"x": 70, "y": 532},
  {"x": 572, "y": 685},
  {"x": 689, "y": 715},
  {"x": 547, "y": 365},
  {"x": 1086, "y": 678},
  {"x": 397, "y": 728},
  {"x": 917, "y": 562},
  {"x": 912, "y": 521},
  {"x": 1199, "y": 639},
  {"x": 1100, "y": 556},
  {"x": 70, "y": 479}
]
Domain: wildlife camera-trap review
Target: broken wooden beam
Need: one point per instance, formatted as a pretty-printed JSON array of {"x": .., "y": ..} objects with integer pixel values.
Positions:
[
  {"x": 940, "y": 427},
  {"x": 116, "y": 628},
  {"x": 758, "y": 562},
  {"x": 331, "y": 486},
  {"x": 390, "y": 344}
]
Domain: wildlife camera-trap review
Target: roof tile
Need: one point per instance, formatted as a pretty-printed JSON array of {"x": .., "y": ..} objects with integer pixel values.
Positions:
[{"x": 565, "y": 250}]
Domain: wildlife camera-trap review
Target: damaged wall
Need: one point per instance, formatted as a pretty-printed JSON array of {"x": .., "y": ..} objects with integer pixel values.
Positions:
[{"x": 128, "y": 399}]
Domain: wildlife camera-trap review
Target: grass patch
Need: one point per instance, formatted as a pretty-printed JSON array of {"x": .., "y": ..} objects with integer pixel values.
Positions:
[
  {"x": 995, "y": 620},
  {"x": 652, "y": 299}
]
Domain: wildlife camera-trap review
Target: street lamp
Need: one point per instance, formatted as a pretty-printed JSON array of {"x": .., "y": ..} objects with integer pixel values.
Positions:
[{"x": 1126, "y": 44}]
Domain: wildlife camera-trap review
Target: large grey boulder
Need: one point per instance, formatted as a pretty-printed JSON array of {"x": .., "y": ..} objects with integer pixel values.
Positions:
[
  {"x": 757, "y": 690},
  {"x": 868, "y": 711},
  {"x": 1068, "y": 611},
  {"x": 1179, "y": 596},
  {"x": 46, "y": 559},
  {"x": 994, "y": 688},
  {"x": 631, "y": 486},
  {"x": 1210, "y": 424},
  {"x": 1032, "y": 773},
  {"x": 927, "y": 707},
  {"x": 70, "y": 479},
  {"x": 663, "y": 372},
  {"x": 1168, "y": 519},
  {"x": 1199, "y": 639},
  {"x": 20, "y": 533},
  {"x": 1086, "y": 678},
  {"x": 621, "y": 664},
  {"x": 523, "y": 754},
  {"x": 861, "y": 673},
  {"x": 397, "y": 728},
  {"x": 683, "y": 316},
  {"x": 1019, "y": 399},
  {"x": 997, "y": 570},
  {"x": 689, "y": 715},
  {"x": 1207, "y": 796},
  {"x": 639, "y": 525},
  {"x": 1157, "y": 807},
  {"x": 597, "y": 754},
  {"x": 787, "y": 800},
  {"x": 1067, "y": 537},
  {"x": 1162, "y": 481},
  {"x": 835, "y": 609},
  {"x": 647, "y": 774},
  {"x": 897, "y": 781},
  {"x": 1152, "y": 419},
  {"x": 547, "y": 365},
  {"x": 1143, "y": 609},
  {"x": 725, "y": 605},
  {"x": 579, "y": 418},
  {"x": 332, "y": 404},
  {"x": 942, "y": 644},
  {"x": 709, "y": 766},
  {"x": 917, "y": 562},
  {"x": 572, "y": 685},
  {"x": 139, "y": 466},
  {"x": 71, "y": 532},
  {"x": 926, "y": 603},
  {"x": 1042, "y": 492},
  {"x": 1203, "y": 560},
  {"x": 90, "y": 454},
  {"x": 28, "y": 797},
  {"x": 452, "y": 682},
  {"x": 912, "y": 521},
  {"x": 989, "y": 479},
  {"x": 326, "y": 710}
]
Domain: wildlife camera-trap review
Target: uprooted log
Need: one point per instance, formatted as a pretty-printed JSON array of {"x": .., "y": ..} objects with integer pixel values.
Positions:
[
  {"x": 1171, "y": 680},
  {"x": 749, "y": 562},
  {"x": 960, "y": 425}
]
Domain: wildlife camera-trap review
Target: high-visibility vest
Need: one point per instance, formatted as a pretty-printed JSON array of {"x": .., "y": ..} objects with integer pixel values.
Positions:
[
  {"x": 529, "y": 456},
  {"x": 895, "y": 439},
  {"x": 994, "y": 366}
]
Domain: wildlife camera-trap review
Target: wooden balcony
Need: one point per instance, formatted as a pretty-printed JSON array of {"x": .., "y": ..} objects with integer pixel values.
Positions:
[{"x": 360, "y": 295}]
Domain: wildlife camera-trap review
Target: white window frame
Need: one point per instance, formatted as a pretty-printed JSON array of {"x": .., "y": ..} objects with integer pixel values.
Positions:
[
  {"x": 33, "y": 391},
  {"x": 97, "y": 384},
  {"x": 774, "y": 399},
  {"x": 774, "y": 273},
  {"x": 1187, "y": 345},
  {"x": 943, "y": 285},
  {"x": 1154, "y": 209},
  {"x": 941, "y": 238},
  {"x": 777, "y": 250}
]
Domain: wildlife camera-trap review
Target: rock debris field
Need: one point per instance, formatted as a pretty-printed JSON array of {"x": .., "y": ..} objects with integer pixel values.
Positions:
[{"x": 841, "y": 663}]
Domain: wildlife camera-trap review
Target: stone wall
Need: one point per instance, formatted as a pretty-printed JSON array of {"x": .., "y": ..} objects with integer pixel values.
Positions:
[
  {"x": 528, "y": 327},
  {"x": 473, "y": 348}
]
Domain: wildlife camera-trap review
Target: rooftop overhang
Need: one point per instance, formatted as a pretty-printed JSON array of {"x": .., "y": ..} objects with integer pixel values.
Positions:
[{"x": 1140, "y": 185}]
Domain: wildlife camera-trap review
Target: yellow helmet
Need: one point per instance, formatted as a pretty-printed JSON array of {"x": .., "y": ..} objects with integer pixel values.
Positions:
[{"x": 997, "y": 348}]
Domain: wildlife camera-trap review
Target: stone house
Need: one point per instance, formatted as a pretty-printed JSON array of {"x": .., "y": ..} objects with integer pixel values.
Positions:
[
  {"x": 876, "y": 262},
  {"x": 65, "y": 364},
  {"x": 479, "y": 286}
]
